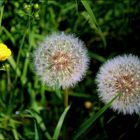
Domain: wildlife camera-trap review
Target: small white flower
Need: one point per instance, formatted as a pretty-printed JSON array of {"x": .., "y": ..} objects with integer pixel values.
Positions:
[
  {"x": 121, "y": 75},
  {"x": 61, "y": 60}
]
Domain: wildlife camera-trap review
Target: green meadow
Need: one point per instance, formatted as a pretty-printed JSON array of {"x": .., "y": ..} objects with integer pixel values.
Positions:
[{"x": 32, "y": 110}]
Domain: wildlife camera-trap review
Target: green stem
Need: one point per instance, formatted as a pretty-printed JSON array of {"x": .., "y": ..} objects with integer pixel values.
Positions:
[
  {"x": 66, "y": 97},
  {"x": 1, "y": 15},
  {"x": 8, "y": 78},
  {"x": 9, "y": 108},
  {"x": 43, "y": 99}
]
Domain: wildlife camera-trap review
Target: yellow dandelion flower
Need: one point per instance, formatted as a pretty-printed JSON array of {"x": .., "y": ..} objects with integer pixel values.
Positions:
[{"x": 5, "y": 52}]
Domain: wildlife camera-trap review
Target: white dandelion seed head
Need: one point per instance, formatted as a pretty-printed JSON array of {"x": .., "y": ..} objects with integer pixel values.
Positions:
[
  {"x": 61, "y": 60},
  {"x": 121, "y": 75}
]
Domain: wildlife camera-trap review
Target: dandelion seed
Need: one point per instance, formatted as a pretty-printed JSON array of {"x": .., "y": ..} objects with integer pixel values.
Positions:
[
  {"x": 5, "y": 52},
  {"x": 61, "y": 60},
  {"x": 121, "y": 75}
]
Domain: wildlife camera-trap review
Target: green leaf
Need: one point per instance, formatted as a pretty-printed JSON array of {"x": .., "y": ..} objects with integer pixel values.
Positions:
[
  {"x": 2, "y": 137},
  {"x": 93, "y": 20},
  {"x": 35, "y": 124},
  {"x": 1, "y": 14},
  {"x": 14, "y": 65},
  {"x": 92, "y": 119},
  {"x": 97, "y": 57},
  {"x": 36, "y": 131},
  {"x": 59, "y": 125},
  {"x": 80, "y": 95},
  {"x": 36, "y": 116},
  {"x": 9, "y": 35},
  {"x": 14, "y": 129}
]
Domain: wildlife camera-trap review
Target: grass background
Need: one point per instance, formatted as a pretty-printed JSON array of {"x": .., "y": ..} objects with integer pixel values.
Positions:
[{"x": 30, "y": 110}]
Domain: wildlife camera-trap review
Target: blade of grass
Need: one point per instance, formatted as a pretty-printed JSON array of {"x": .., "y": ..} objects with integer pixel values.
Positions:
[
  {"x": 19, "y": 53},
  {"x": 14, "y": 131},
  {"x": 1, "y": 2},
  {"x": 39, "y": 120},
  {"x": 8, "y": 34},
  {"x": 37, "y": 137},
  {"x": 79, "y": 95},
  {"x": 1, "y": 15},
  {"x": 26, "y": 62},
  {"x": 83, "y": 128},
  {"x": 93, "y": 20},
  {"x": 2, "y": 137},
  {"x": 97, "y": 57},
  {"x": 59, "y": 125},
  {"x": 36, "y": 131},
  {"x": 14, "y": 65},
  {"x": 20, "y": 47},
  {"x": 68, "y": 6}
]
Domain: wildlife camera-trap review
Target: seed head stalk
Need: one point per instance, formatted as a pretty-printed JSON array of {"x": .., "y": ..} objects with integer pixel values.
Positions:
[{"x": 66, "y": 97}]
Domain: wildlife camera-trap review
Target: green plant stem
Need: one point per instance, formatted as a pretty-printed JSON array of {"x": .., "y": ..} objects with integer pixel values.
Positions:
[
  {"x": 66, "y": 97},
  {"x": 8, "y": 89},
  {"x": 8, "y": 78},
  {"x": 43, "y": 99},
  {"x": 1, "y": 15}
]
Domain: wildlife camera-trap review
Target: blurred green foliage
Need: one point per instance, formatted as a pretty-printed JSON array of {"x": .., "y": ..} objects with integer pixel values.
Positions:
[{"x": 31, "y": 110}]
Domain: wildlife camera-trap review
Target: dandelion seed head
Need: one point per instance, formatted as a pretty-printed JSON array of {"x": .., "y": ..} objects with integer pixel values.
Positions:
[
  {"x": 121, "y": 75},
  {"x": 61, "y": 60}
]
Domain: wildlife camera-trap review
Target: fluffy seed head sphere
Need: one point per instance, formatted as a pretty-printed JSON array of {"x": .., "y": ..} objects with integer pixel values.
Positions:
[
  {"x": 121, "y": 75},
  {"x": 61, "y": 60}
]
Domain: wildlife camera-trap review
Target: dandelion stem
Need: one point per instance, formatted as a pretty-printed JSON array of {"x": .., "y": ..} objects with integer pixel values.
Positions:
[{"x": 66, "y": 97}]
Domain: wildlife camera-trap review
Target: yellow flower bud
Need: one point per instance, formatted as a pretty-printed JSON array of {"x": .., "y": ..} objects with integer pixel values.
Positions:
[{"x": 5, "y": 52}]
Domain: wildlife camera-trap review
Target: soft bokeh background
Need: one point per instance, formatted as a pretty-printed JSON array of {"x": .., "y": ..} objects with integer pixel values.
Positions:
[{"x": 31, "y": 110}]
